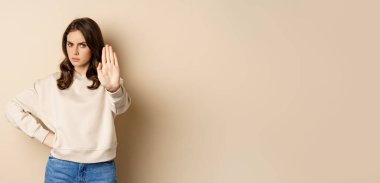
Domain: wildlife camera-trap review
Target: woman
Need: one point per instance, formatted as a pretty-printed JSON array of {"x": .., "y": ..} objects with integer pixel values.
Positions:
[{"x": 78, "y": 105}]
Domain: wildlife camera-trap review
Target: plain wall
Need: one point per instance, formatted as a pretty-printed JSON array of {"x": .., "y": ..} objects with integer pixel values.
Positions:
[{"x": 222, "y": 91}]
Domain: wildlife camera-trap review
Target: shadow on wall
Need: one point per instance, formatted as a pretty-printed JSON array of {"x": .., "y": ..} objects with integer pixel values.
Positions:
[{"x": 132, "y": 131}]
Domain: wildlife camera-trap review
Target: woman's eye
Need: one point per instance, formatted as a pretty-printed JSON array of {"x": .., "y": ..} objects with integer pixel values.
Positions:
[
  {"x": 82, "y": 45},
  {"x": 69, "y": 44}
]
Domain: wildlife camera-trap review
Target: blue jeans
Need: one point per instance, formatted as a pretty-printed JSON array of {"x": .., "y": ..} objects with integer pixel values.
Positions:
[{"x": 62, "y": 171}]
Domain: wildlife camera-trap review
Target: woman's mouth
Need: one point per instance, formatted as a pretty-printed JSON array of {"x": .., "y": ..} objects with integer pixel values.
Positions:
[{"x": 75, "y": 59}]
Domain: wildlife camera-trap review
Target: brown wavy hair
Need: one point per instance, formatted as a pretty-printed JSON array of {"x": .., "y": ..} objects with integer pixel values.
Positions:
[{"x": 94, "y": 39}]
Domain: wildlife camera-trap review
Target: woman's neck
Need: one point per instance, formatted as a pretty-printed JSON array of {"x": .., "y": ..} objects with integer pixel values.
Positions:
[{"x": 81, "y": 70}]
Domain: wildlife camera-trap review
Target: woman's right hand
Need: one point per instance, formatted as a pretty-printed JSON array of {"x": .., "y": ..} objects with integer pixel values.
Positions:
[{"x": 49, "y": 139}]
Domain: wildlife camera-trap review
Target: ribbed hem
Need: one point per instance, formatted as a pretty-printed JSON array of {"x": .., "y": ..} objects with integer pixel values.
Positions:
[{"x": 84, "y": 156}]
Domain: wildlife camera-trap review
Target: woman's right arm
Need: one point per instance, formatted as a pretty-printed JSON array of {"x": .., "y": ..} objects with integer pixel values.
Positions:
[
  {"x": 23, "y": 112},
  {"x": 49, "y": 139}
]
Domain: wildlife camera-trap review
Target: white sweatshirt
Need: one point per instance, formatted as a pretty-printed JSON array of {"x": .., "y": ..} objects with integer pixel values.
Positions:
[{"x": 82, "y": 119}]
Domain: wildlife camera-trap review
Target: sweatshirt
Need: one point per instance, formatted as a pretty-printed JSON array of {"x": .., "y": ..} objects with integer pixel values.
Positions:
[{"x": 82, "y": 119}]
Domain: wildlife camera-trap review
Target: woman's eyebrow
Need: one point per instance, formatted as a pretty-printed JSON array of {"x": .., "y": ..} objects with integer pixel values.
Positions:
[{"x": 78, "y": 43}]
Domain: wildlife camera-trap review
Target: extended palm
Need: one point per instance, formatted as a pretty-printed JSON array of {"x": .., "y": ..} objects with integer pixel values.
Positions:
[{"x": 108, "y": 70}]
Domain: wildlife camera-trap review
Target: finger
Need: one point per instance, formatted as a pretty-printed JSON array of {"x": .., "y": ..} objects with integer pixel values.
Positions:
[
  {"x": 111, "y": 55},
  {"x": 115, "y": 57},
  {"x": 104, "y": 55},
  {"x": 107, "y": 54}
]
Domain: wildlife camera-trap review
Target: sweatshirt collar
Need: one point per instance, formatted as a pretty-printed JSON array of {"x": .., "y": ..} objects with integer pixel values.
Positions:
[{"x": 78, "y": 75}]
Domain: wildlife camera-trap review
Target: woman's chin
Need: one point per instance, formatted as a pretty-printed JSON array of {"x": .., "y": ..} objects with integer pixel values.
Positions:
[{"x": 74, "y": 62}]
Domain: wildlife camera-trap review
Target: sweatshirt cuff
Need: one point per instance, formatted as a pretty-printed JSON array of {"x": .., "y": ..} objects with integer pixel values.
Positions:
[
  {"x": 117, "y": 94},
  {"x": 40, "y": 134}
]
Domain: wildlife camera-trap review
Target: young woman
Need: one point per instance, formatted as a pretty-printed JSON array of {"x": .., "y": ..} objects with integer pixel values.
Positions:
[{"x": 78, "y": 105}]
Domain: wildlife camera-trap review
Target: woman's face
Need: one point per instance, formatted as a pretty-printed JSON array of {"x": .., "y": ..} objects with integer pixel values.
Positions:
[{"x": 77, "y": 50}]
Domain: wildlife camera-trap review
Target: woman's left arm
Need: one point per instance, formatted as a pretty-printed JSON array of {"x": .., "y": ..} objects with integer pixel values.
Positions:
[{"x": 109, "y": 77}]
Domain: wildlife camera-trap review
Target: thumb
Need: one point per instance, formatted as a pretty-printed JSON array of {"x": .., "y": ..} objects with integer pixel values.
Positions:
[{"x": 99, "y": 68}]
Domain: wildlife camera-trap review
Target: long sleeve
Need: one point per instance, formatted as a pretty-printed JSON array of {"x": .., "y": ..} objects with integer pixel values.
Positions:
[
  {"x": 23, "y": 111},
  {"x": 119, "y": 100}
]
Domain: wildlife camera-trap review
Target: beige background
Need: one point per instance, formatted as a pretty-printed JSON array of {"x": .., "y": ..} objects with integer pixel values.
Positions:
[{"x": 222, "y": 91}]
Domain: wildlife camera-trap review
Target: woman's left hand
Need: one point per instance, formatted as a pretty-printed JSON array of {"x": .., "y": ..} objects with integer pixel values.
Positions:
[{"x": 108, "y": 70}]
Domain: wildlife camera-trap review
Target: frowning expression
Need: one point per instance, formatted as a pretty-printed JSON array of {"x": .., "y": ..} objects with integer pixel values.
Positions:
[{"x": 77, "y": 50}]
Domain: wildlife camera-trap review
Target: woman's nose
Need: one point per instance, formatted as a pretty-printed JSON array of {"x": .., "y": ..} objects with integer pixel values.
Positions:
[{"x": 76, "y": 52}]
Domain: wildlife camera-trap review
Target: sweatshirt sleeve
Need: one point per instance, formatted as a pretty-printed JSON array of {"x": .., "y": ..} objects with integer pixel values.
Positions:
[
  {"x": 23, "y": 112},
  {"x": 119, "y": 100}
]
